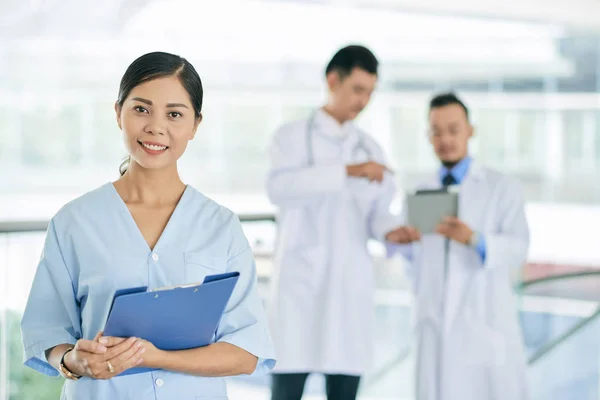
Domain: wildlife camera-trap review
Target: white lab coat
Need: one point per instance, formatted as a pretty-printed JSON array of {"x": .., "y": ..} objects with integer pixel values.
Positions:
[
  {"x": 467, "y": 330},
  {"x": 321, "y": 310}
]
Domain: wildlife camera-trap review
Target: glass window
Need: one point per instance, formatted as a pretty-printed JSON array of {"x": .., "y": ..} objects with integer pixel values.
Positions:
[
  {"x": 9, "y": 138},
  {"x": 104, "y": 139},
  {"x": 490, "y": 127},
  {"x": 51, "y": 135},
  {"x": 292, "y": 113},
  {"x": 573, "y": 132},
  {"x": 246, "y": 132},
  {"x": 530, "y": 140},
  {"x": 408, "y": 137},
  {"x": 597, "y": 138}
]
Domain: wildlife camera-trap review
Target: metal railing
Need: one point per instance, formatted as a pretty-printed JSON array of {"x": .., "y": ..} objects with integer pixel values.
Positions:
[
  {"x": 552, "y": 345},
  {"x": 42, "y": 225}
]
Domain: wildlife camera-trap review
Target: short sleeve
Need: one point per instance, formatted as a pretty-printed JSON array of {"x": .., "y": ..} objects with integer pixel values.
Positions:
[
  {"x": 52, "y": 314},
  {"x": 244, "y": 321}
]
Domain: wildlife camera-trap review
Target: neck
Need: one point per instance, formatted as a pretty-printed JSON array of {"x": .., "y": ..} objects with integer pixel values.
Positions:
[
  {"x": 150, "y": 187},
  {"x": 451, "y": 164},
  {"x": 329, "y": 109}
]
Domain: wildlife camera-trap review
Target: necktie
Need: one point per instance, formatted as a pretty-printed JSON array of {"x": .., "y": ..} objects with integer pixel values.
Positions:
[{"x": 449, "y": 180}]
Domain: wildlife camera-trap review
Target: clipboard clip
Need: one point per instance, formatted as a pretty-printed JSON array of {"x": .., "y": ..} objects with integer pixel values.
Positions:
[{"x": 187, "y": 285}]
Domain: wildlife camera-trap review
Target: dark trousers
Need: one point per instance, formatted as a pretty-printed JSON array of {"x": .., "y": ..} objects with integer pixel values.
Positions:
[{"x": 291, "y": 386}]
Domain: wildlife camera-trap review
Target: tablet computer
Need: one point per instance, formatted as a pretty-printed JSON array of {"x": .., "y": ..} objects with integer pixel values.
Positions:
[{"x": 427, "y": 208}]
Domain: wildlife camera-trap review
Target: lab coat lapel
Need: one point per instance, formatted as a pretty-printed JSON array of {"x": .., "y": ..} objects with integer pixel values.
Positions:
[
  {"x": 330, "y": 146},
  {"x": 472, "y": 196},
  {"x": 473, "y": 200}
]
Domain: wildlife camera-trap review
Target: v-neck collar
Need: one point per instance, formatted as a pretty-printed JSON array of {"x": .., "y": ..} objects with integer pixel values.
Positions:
[
  {"x": 133, "y": 225},
  {"x": 331, "y": 127}
]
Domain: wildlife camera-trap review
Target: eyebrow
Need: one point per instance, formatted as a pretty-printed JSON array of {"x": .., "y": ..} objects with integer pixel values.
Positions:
[{"x": 149, "y": 102}]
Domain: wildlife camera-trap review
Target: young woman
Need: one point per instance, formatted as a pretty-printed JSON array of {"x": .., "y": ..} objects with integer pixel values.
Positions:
[{"x": 146, "y": 229}]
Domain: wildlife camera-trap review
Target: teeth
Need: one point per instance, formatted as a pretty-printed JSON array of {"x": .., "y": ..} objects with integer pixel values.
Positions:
[{"x": 154, "y": 147}]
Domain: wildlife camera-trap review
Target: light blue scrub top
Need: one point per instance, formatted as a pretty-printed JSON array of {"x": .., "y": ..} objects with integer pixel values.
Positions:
[{"x": 93, "y": 247}]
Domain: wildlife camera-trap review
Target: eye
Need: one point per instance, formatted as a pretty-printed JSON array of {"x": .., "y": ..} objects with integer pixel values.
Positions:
[
  {"x": 140, "y": 109},
  {"x": 174, "y": 114}
]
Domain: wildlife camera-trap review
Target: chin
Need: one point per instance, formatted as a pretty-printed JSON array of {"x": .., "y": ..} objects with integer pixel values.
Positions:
[
  {"x": 152, "y": 165},
  {"x": 449, "y": 159}
]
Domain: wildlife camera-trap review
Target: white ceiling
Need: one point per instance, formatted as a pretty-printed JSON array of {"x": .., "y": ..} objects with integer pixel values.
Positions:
[
  {"x": 434, "y": 42},
  {"x": 411, "y": 46},
  {"x": 575, "y": 14}
]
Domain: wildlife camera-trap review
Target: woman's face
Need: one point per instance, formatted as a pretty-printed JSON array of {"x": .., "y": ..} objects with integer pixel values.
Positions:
[{"x": 158, "y": 120}]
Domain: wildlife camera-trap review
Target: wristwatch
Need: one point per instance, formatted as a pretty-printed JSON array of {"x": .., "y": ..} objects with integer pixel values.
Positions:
[
  {"x": 64, "y": 371},
  {"x": 474, "y": 240}
]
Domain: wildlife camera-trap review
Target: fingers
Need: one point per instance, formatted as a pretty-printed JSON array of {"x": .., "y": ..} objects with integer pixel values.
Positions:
[
  {"x": 90, "y": 346},
  {"x": 404, "y": 235},
  {"x": 371, "y": 170},
  {"x": 120, "y": 347},
  {"x": 443, "y": 229},
  {"x": 377, "y": 177},
  {"x": 451, "y": 221},
  {"x": 413, "y": 234},
  {"x": 111, "y": 341},
  {"x": 375, "y": 172},
  {"x": 97, "y": 366},
  {"x": 129, "y": 358},
  {"x": 448, "y": 230},
  {"x": 449, "y": 225}
]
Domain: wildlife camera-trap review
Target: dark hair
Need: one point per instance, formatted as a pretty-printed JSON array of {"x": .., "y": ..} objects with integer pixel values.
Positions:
[
  {"x": 350, "y": 57},
  {"x": 159, "y": 65},
  {"x": 446, "y": 99}
]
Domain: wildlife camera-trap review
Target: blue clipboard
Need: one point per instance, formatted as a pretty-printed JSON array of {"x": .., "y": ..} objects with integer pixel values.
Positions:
[{"x": 177, "y": 318}]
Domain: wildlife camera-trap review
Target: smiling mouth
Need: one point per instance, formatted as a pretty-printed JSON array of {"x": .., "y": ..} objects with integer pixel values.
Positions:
[{"x": 153, "y": 147}]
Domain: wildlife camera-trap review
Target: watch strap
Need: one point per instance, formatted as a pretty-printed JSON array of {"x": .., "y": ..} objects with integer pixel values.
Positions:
[{"x": 64, "y": 371}]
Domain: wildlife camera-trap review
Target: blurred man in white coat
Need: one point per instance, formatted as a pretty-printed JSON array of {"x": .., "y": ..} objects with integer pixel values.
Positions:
[
  {"x": 469, "y": 340},
  {"x": 333, "y": 190}
]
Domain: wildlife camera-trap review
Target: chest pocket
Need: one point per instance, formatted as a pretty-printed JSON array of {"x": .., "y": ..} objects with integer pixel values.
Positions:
[{"x": 199, "y": 265}]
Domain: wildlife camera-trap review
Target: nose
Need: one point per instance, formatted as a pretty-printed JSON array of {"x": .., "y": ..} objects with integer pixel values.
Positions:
[
  {"x": 156, "y": 126},
  {"x": 445, "y": 137}
]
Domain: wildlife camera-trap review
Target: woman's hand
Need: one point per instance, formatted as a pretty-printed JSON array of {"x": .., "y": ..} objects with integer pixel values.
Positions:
[
  {"x": 104, "y": 357},
  {"x": 152, "y": 355}
]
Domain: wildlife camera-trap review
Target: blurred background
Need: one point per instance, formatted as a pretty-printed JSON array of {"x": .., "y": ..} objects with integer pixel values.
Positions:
[{"x": 529, "y": 70}]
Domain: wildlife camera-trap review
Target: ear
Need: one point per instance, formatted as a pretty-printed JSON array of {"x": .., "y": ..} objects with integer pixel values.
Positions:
[
  {"x": 196, "y": 124},
  {"x": 333, "y": 80},
  {"x": 118, "y": 114},
  {"x": 471, "y": 130}
]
